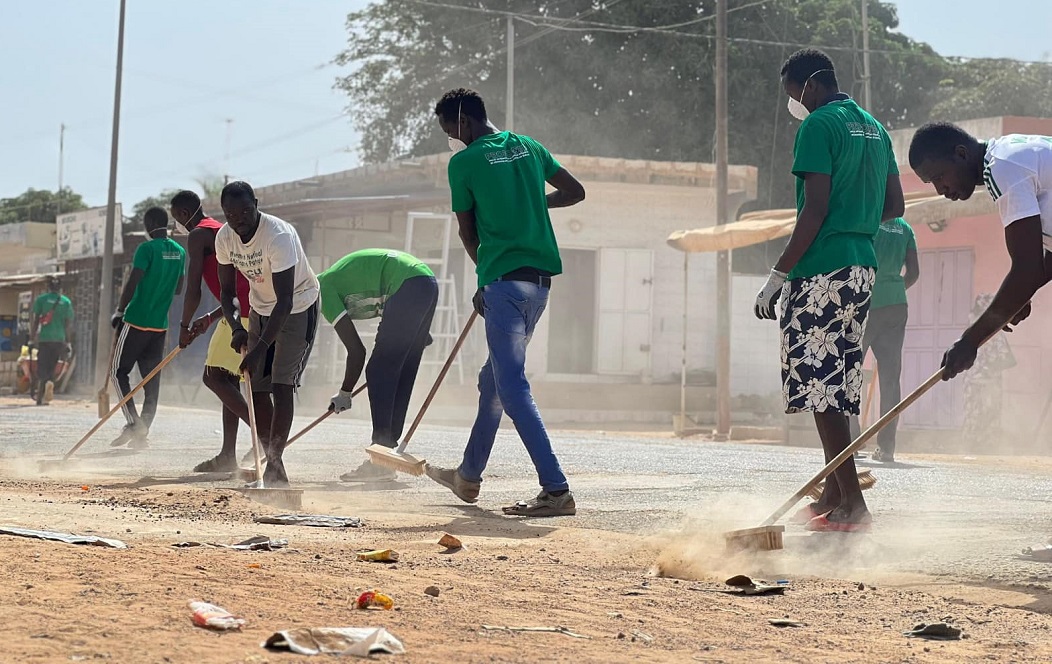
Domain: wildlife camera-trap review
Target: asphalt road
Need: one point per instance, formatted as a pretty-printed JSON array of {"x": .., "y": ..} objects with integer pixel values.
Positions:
[{"x": 954, "y": 517}]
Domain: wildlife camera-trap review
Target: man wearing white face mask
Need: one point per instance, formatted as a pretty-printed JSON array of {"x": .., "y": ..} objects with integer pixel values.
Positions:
[
  {"x": 221, "y": 373},
  {"x": 847, "y": 182},
  {"x": 497, "y": 186}
]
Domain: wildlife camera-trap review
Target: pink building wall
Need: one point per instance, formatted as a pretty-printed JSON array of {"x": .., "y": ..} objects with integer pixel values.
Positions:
[{"x": 1029, "y": 383}]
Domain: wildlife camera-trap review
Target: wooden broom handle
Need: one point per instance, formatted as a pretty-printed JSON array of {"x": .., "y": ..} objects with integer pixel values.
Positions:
[
  {"x": 438, "y": 381},
  {"x": 321, "y": 418},
  {"x": 859, "y": 442},
  {"x": 120, "y": 404}
]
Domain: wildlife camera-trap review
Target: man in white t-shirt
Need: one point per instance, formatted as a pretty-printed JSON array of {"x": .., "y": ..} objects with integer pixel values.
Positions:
[
  {"x": 283, "y": 295},
  {"x": 1017, "y": 172}
]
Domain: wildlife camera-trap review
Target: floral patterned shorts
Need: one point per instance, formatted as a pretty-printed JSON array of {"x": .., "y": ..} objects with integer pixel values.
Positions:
[{"x": 823, "y": 318}]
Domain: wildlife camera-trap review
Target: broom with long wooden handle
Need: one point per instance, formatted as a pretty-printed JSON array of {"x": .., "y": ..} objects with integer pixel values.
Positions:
[
  {"x": 127, "y": 397},
  {"x": 397, "y": 459}
]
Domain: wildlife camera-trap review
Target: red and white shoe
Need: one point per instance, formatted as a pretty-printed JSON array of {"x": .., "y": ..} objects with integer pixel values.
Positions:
[
  {"x": 822, "y": 524},
  {"x": 806, "y": 513}
]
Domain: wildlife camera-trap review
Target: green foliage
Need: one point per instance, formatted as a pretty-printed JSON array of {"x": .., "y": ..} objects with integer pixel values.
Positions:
[
  {"x": 39, "y": 205},
  {"x": 638, "y": 94}
]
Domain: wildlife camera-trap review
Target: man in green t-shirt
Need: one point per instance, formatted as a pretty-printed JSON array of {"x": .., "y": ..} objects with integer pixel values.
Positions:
[
  {"x": 400, "y": 290},
  {"x": 896, "y": 249},
  {"x": 141, "y": 321},
  {"x": 52, "y": 329},
  {"x": 497, "y": 182},
  {"x": 847, "y": 183}
]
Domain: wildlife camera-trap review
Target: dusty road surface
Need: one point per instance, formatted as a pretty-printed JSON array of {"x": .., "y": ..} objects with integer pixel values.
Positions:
[{"x": 633, "y": 574}]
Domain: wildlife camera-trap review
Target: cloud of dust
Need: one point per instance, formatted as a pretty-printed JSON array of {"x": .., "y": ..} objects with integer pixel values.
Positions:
[{"x": 897, "y": 548}]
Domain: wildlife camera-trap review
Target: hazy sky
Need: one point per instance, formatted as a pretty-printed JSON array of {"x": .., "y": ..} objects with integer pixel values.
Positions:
[{"x": 191, "y": 65}]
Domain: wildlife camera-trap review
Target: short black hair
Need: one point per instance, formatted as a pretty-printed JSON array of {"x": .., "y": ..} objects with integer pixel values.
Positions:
[
  {"x": 155, "y": 218},
  {"x": 937, "y": 140},
  {"x": 54, "y": 283},
  {"x": 186, "y": 200},
  {"x": 462, "y": 101},
  {"x": 810, "y": 63},
  {"x": 237, "y": 189}
]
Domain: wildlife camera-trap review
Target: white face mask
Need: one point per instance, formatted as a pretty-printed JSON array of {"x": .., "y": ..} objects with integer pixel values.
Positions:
[
  {"x": 455, "y": 144},
  {"x": 796, "y": 106},
  {"x": 179, "y": 229}
]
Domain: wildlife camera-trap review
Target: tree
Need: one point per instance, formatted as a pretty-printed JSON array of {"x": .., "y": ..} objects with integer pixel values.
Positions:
[
  {"x": 162, "y": 200},
  {"x": 39, "y": 205},
  {"x": 591, "y": 89},
  {"x": 990, "y": 88}
]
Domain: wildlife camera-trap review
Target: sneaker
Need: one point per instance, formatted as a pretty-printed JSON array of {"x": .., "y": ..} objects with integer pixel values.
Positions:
[
  {"x": 369, "y": 472},
  {"x": 545, "y": 504},
  {"x": 49, "y": 392},
  {"x": 822, "y": 524},
  {"x": 452, "y": 480},
  {"x": 884, "y": 457},
  {"x": 127, "y": 434}
]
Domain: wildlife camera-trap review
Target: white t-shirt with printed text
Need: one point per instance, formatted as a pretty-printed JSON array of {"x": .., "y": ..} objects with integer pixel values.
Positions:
[
  {"x": 275, "y": 247},
  {"x": 1017, "y": 171}
]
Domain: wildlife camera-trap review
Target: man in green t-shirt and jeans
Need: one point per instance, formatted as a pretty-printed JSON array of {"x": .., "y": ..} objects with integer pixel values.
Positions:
[
  {"x": 141, "y": 321},
  {"x": 402, "y": 291},
  {"x": 52, "y": 328},
  {"x": 896, "y": 248},
  {"x": 847, "y": 182},
  {"x": 497, "y": 182}
]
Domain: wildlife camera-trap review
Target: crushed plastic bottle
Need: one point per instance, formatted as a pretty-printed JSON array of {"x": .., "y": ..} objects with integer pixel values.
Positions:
[
  {"x": 214, "y": 617},
  {"x": 375, "y": 599}
]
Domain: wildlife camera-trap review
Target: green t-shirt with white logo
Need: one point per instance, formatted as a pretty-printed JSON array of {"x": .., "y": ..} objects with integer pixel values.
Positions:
[
  {"x": 162, "y": 261},
  {"x": 58, "y": 309},
  {"x": 842, "y": 140},
  {"x": 894, "y": 239},
  {"x": 359, "y": 284},
  {"x": 501, "y": 177}
]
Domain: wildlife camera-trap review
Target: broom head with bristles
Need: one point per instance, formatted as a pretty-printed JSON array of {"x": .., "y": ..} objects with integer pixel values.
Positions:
[
  {"x": 402, "y": 463},
  {"x": 764, "y": 538},
  {"x": 866, "y": 481}
]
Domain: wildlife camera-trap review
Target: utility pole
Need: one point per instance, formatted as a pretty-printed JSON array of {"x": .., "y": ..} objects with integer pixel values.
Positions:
[
  {"x": 866, "y": 100},
  {"x": 226, "y": 155},
  {"x": 106, "y": 278},
  {"x": 509, "y": 109},
  {"x": 61, "y": 157},
  {"x": 723, "y": 258}
]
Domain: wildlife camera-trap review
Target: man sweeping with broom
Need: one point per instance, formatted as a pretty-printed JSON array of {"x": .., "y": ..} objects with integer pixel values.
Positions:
[
  {"x": 141, "y": 321},
  {"x": 847, "y": 183},
  {"x": 400, "y": 290},
  {"x": 221, "y": 362},
  {"x": 1017, "y": 173},
  {"x": 283, "y": 296},
  {"x": 497, "y": 180}
]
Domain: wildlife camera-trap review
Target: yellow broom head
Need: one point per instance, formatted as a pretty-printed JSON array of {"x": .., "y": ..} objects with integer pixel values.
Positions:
[
  {"x": 764, "y": 538},
  {"x": 402, "y": 463}
]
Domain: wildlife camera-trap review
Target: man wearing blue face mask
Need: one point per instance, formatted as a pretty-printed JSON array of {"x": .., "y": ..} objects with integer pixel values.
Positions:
[
  {"x": 847, "y": 182},
  {"x": 497, "y": 182}
]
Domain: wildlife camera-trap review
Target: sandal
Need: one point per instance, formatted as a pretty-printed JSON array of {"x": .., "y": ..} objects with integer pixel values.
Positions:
[
  {"x": 217, "y": 464},
  {"x": 544, "y": 504}
]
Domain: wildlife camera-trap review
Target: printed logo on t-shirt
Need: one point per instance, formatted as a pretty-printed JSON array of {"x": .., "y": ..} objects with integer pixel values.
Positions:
[
  {"x": 249, "y": 264},
  {"x": 507, "y": 156},
  {"x": 863, "y": 130}
]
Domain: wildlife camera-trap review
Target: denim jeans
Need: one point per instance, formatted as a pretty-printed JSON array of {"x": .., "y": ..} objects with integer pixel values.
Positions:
[{"x": 513, "y": 309}]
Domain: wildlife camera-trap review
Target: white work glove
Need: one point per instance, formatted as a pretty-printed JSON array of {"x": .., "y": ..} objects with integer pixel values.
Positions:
[
  {"x": 768, "y": 295},
  {"x": 340, "y": 402}
]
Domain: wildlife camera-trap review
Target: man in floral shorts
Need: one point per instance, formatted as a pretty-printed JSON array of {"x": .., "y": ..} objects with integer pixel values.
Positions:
[{"x": 847, "y": 183}]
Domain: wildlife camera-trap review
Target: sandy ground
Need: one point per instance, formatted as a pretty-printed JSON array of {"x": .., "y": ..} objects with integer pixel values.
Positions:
[
  {"x": 633, "y": 571},
  {"x": 77, "y": 603}
]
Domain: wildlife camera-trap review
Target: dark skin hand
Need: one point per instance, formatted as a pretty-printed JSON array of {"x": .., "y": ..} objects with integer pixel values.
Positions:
[
  {"x": 1011, "y": 303},
  {"x": 129, "y": 288},
  {"x": 227, "y": 295},
  {"x": 347, "y": 333}
]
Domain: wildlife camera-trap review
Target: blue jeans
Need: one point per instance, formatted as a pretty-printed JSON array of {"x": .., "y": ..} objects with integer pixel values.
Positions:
[{"x": 513, "y": 309}]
